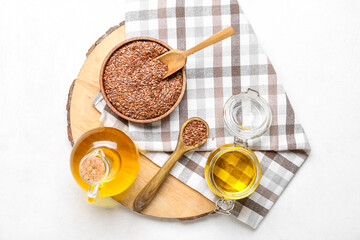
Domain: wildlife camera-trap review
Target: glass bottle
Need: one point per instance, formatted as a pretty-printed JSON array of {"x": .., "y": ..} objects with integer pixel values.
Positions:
[{"x": 114, "y": 150}]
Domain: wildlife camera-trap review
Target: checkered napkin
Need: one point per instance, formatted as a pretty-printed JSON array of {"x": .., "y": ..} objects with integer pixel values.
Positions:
[{"x": 213, "y": 75}]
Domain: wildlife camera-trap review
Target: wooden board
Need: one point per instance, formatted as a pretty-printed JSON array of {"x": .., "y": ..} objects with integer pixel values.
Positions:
[{"x": 174, "y": 199}]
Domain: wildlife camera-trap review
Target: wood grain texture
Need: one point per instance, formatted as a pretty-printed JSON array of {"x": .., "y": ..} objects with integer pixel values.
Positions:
[
  {"x": 174, "y": 199},
  {"x": 147, "y": 194}
]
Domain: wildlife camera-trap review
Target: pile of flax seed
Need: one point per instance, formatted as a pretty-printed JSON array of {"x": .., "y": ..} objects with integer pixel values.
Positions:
[{"x": 133, "y": 81}]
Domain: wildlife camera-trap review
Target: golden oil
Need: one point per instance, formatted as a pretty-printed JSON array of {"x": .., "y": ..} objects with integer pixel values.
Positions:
[
  {"x": 120, "y": 152},
  {"x": 232, "y": 171}
]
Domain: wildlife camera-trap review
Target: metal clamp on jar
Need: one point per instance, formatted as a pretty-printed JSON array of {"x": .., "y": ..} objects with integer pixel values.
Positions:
[{"x": 233, "y": 171}]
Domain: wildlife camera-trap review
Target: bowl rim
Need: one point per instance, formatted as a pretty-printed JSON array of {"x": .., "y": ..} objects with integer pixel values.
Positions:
[{"x": 101, "y": 81}]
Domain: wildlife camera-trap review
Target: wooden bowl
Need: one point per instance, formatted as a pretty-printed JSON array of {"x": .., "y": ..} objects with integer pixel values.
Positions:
[{"x": 102, "y": 82}]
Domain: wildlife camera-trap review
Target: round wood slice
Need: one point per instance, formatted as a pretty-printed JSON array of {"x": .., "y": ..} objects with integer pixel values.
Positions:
[{"x": 174, "y": 199}]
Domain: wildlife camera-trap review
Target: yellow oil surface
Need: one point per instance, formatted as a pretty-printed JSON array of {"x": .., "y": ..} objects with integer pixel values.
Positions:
[
  {"x": 118, "y": 149},
  {"x": 232, "y": 171}
]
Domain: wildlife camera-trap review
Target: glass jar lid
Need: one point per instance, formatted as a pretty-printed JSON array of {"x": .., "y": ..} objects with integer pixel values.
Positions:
[{"x": 247, "y": 115}]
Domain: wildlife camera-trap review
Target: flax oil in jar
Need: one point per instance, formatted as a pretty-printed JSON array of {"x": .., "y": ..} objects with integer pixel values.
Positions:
[
  {"x": 119, "y": 155},
  {"x": 233, "y": 171}
]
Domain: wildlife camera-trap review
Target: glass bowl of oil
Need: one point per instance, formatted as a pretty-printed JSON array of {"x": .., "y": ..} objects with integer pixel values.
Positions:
[
  {"x": 233, "y": 171},
  {"x": 112, "y": 149}
]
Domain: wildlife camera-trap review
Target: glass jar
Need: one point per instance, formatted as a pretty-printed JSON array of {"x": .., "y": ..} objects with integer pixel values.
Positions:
[{"x": 233, "y": 171}]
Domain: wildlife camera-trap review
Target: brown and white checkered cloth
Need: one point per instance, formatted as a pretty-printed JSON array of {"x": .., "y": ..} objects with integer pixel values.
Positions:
[{"x": 213, "y": 75}]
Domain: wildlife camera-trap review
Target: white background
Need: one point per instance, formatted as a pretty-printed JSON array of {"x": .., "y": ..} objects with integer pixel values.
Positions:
[{"x": 315, "y": 48}]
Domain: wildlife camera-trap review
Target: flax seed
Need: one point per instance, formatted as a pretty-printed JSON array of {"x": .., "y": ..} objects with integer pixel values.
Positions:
[
  {"x": 133, "y": 81},
  {"x": 194, "y": 133}
]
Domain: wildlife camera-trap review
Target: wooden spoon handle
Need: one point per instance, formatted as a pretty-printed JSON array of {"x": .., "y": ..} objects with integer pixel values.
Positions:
[
  {"x": 217, "y": 37},
  {"x": 145, "y": 196}
]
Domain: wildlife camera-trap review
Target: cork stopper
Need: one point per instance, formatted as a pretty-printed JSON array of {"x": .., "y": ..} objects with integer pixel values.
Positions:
[{"x": 92, "y": 169}]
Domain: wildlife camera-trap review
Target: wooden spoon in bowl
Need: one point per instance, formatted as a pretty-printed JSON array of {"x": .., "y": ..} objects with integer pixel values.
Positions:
[
  {"x": 176, "y": 59},
  {"x": 145, "y": 196}
]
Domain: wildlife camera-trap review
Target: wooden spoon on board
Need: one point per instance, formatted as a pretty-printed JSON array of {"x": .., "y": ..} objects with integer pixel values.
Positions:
[
  {"x": 176, "y": 59},
  {"x": 146, "y": 195}
]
